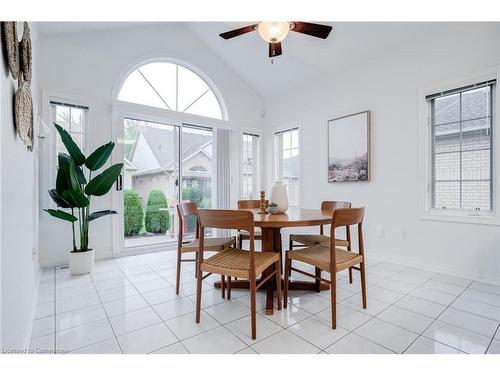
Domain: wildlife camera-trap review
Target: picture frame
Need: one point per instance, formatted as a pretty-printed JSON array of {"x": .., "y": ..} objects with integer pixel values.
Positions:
[{"x": 349, "y": 148}]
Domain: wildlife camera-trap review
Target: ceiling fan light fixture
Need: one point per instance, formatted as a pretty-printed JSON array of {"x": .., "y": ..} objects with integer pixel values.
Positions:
[{"x": 273, "y": 32}]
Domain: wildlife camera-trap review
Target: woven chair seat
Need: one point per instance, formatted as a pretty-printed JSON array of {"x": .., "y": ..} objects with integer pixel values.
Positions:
[
  {"x": 236, "y": 262},
  {"x": 211, "y": 244},
  {"x": 316, "y": 239},
  {"x": 319, "y": 256}
]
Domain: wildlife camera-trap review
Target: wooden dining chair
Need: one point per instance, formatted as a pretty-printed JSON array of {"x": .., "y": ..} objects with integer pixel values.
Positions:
[
  {"x": 249, "y": 204},
  {"x": 330, "y": 258},
  {"x": 184, "y": 211},
  {"x": 243, "y": 264},
  {"x": 302, "y": 240}
]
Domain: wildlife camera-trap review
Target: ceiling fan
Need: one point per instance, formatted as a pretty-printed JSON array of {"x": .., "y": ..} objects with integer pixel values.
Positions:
[{"x": 274, "y": 32}]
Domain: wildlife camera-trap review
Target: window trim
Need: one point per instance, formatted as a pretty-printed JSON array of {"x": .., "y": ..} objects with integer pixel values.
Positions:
[
  {"x": 48, "y": 153},
  {"x": 280, "y": 129},
  {"x": 260, "y": 134},
  {"x": 425, "y": 170},
  {"x": 144, "y": 60}
]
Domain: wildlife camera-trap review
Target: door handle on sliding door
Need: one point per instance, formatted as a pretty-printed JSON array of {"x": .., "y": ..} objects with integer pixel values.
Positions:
[{"x": 119, "y": 183}]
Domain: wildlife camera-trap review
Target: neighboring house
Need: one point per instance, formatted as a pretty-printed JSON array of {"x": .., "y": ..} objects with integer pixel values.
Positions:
[{"x": 152, "y": 162}]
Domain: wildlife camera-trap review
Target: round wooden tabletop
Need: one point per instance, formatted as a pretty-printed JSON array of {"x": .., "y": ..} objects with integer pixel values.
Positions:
[{"x": 294, "y": 217}]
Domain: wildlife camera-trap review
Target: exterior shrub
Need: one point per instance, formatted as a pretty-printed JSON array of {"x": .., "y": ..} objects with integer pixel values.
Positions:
[
  {"x": 133, "y": 213},
  {"x": 157, "y": 216},
  {"x": 195, "y": 194}
]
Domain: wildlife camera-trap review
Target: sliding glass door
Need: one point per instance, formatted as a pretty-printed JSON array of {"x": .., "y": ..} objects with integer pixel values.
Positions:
[{"x": 164, "y": 164}]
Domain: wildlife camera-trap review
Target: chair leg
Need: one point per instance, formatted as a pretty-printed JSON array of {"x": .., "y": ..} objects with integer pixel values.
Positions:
[
  {"x": 278, "y": 282},
  {"x": 288, "y": 266},
  {"x": 229, "y": 287},
  {"x": 350, "y": 275},
  {"x": 333, "y": 295},
  {"x": 240, "y": 241},
  {"x": 363, "y": 283},
  {"x": 290, "y": 248},
  {"x": 317, "y": 283},
  {"x": 253, "y": 306},
  {"x": 199, "y": 285},
  {"x": 223, "y": 285},
  {"x": 178, "y": 274}
]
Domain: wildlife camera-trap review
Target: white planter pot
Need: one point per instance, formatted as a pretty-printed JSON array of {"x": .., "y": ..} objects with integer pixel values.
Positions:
[
  {"x": 81, "y": 262},
  {"x": 280, "y": 196}
]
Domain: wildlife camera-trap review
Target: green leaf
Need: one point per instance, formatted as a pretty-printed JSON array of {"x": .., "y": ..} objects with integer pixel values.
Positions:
[
  {"x": 75, "y": 198},
  {"x": 98, "y": 158},
  {"x": 98, "y": 214},
  {"x": 71, "y": 146},
  {"x": 58, "y": 199},
  {"x": 62, "y": 215},
  {"x": 101, "y": 183},
  {"x": 79, "y": 175}
]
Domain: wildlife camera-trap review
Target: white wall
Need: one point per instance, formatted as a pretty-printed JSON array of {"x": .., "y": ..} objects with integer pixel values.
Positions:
[
  {"x": 19, "y": 210},
  {"x": 388, "y": 85},
  {"x": 91, "y": 65}
]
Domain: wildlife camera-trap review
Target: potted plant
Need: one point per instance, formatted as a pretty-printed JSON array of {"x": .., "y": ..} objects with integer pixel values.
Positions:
[{"x": 74, "y": 191}]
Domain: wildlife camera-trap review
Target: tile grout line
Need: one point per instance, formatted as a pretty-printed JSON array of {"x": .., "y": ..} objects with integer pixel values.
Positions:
[
  {"x": 492, "y": 339},
  {"x": 107, "y": 316},
  {"x": 437, "y": 317},
  {"x": 151, "y": 307}
]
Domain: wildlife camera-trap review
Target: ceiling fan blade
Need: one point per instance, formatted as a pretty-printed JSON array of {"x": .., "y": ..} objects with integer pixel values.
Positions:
[
  {"x": 313, "y": 29},
  {"x": 275, "y": 49},
  {"x": 237, "y": 32}
]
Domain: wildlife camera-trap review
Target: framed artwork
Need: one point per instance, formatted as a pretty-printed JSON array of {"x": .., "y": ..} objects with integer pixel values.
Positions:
[{"x": 349, "y": 148}]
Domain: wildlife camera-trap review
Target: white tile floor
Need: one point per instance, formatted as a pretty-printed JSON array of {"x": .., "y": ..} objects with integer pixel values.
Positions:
[{"x": 129, "y": 305}]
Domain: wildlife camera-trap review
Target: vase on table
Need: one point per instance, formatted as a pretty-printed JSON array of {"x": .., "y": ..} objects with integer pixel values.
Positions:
[{"x": 280, "y": 196}]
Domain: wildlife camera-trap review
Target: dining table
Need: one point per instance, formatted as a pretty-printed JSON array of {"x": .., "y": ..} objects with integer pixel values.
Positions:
[{"x": 271, "y": 226}]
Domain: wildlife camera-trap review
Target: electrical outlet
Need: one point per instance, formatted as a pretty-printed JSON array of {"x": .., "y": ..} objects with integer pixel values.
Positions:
[
  {"x": 404, "y": 234},
  {"x": 379, "y": 231}
]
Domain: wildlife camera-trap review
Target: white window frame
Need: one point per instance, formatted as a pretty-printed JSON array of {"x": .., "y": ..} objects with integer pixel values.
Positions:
[
  {"x": 258, "y": 175},
  {"x": 425, "y": 154},
  {"x": 48, "y": 155},
  {"x": 277, "y": 161}
]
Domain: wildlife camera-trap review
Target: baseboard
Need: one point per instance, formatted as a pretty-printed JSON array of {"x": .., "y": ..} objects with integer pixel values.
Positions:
[
  {"x": 452, "y": 270},
  {"x": 34, "y": 301}
]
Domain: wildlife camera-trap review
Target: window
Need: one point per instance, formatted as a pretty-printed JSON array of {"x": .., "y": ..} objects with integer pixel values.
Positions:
[
  {"x": 173, "y": 87},
  {"x": 250, "y": 171},
  {"x": 287, "y": 162},
  {"x": 462, "y": 148},
  {"x": 73, "y": 119}
]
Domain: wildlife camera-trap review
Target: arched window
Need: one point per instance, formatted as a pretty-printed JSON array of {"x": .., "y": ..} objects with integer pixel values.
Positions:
[{"x": 173, "y": 87}]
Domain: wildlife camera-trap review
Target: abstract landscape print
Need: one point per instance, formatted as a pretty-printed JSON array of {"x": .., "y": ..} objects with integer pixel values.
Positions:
[{"x": 349, "y": 148}]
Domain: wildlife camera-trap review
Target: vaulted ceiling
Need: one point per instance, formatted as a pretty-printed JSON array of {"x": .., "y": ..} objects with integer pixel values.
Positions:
[{"x": 304, "y": 57}]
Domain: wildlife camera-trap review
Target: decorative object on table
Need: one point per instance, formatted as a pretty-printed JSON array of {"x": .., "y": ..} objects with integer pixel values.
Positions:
[
  {"x": 23, "y": 112},
  {"x": 349, "y": 148},
  {"x": 11, "y": 46},
  {"x": 74, "y": 191},
  {"x": 273, "y": 208},
  {"x": 279, "y": 195},
  {"x": 25, "y": 53},
  {"x": 263, "y": 203}
]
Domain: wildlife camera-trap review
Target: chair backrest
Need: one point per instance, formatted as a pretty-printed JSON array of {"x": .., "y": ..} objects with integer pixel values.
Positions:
[
  {"x": 250, "y": 203},
  {"x": 345, "y": 217},
  {"x": 226, "y": 219},
  {"x": 333, "y": 205},
  {"x": 185, "y": 210}
]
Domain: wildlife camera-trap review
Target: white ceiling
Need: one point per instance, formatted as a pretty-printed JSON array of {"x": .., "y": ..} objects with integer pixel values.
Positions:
[{"x": 304, "y": 57}]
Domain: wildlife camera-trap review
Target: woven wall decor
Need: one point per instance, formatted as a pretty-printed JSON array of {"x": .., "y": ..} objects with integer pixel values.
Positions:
[
  {"x": 25, "y": 53},
  {"x": 23, "y": 112},
  {"x": 11, "y": 45}
]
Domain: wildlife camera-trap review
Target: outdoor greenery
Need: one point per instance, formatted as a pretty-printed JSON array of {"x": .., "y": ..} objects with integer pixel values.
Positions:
[
  {"x": 202, "y": 199},
  {"x": 134, "y": 214},
  {"x": 74, "y": 190},
  {"x": 157, "y": 218}
]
